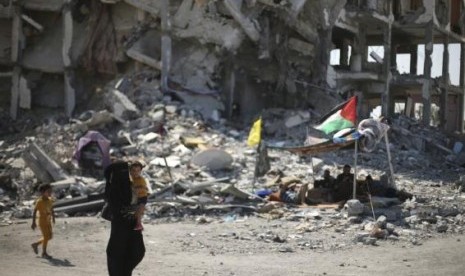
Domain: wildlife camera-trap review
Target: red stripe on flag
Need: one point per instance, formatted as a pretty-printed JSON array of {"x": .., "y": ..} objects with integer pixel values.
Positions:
[{"x": 349, "y": 111}]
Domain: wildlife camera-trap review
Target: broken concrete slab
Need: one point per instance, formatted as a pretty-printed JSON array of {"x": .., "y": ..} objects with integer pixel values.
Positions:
[
  {"x": 33, "y": 164},
  {"x": 209, "y": 30},
  {"x": 181, "y": 18},
  {"x": 143, "y": 58},
  {"x": 81, "y": 207},
  {"x": 295, "y": 120},
  {"x": 173, "y": 161},
  {"x": 206, "y": 105},
  {"x": 196, "y": 187},
  {"x": 232, "y": 190},
  {"x": 149, "y": 137},
  {"x": 354, "y": 207},
  {"x": 101, "y": 117},
  {"x": 122, "y": 106},
  {"x": 41, "y": 163},
  {"x": 212, "y": 159},
  {"x": 63, "y": 184}
]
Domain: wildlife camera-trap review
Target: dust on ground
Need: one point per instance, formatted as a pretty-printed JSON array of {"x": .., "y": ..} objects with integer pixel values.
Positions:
[{"x": 187, "y": 248}]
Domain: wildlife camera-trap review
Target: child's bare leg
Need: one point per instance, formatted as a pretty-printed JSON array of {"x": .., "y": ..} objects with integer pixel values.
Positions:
[
  {"x": 47, "y": 235},
  {"x": 139, "y": 214},
  {"x": 35, "y": 246}
]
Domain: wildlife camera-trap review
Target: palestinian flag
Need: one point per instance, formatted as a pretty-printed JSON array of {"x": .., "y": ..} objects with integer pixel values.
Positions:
[{"x": 342, "y": 116}]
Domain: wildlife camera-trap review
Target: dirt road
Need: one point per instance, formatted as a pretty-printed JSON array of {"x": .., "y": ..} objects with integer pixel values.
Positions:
[{"x": 183, "y": 248}]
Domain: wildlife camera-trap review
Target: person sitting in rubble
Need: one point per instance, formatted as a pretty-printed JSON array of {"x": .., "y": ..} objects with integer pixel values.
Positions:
[
  {"x": 322, "y": 189},
  {"x": 327, "y": 182},
  {"x": 366, "y": 189},
  {"x": 343, "y": 186}
]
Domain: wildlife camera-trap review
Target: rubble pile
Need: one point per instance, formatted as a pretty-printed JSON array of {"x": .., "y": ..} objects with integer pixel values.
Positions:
[{"x": 201, "y": 169}]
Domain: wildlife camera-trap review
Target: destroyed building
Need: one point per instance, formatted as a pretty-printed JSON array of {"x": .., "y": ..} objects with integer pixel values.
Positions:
[{"x": 238, "y": 57}]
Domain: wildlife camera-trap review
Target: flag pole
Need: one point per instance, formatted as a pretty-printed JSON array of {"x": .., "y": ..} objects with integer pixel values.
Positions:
[
  {"x": 257, "y": 159},
  {"x": 256, "y": 164},
  {"x": 355, "y": 170},
  {"x": 389, "y": 159}
]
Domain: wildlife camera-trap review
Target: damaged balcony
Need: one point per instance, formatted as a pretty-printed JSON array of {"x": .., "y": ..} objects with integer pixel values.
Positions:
[{"x": 401, "y": 29}]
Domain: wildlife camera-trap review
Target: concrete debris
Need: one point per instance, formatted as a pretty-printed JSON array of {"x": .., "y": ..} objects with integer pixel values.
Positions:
[
  {"x": 122, "y": 107},
  {"x": 170, "y": 161},
  {"x": 212, "y": 159},
  {"x": 354, "y": 207}
]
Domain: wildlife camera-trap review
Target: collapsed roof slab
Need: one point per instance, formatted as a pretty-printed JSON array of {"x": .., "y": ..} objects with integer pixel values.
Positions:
[
  {"x": 357, "y": 76},
  {"x": 415, "y": 33},
  {"x": 369, "y": 17},
  {"x": 411, "y": 84}
]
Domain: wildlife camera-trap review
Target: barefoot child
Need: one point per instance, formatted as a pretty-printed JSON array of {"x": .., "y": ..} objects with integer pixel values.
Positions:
[
  {"x": 46, "y": 217},
  {"x": 140, "y": 191}
]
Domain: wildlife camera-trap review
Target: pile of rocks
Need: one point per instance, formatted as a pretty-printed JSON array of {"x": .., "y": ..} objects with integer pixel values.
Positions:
[{"x": 198, "y": 167}]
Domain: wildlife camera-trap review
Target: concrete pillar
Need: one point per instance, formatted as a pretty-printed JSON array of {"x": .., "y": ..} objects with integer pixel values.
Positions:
[
  {"x": 69, "y": 97},
  {"x": 426, "y": 90},
  {"x": 413, "y": 59},
  {"x": 462, "y": 87},
  {"x": 443, "y": 107},
  {"x": 16, "y": 35},
  {"x": 362, "y": 46},
  {"x": 445, "y": 82},
  {"x": 387, "y": 106},
  {"x": 344, "y": 58},
  {"x": 165, "y": 44}
]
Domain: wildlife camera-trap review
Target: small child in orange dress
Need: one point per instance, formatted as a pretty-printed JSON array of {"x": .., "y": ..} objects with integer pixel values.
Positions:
[
  {"x": 140, "y": 191},
  {"x": 44, "y": 205}
]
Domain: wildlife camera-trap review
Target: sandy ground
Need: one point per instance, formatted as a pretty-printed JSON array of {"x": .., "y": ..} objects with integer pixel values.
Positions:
[{"x": 186, "y": 248}]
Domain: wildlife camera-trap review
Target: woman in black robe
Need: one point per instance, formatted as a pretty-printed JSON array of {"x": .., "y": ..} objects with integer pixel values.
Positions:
[{"x": 125, "y": 247}]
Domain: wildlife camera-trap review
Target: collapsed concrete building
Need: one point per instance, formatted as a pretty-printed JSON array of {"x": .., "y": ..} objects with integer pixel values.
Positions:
[{"x": 238, "y": 57}]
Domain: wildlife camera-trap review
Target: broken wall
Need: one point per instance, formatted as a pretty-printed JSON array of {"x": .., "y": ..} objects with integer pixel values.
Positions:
[{"x": 268, "y": 46}]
